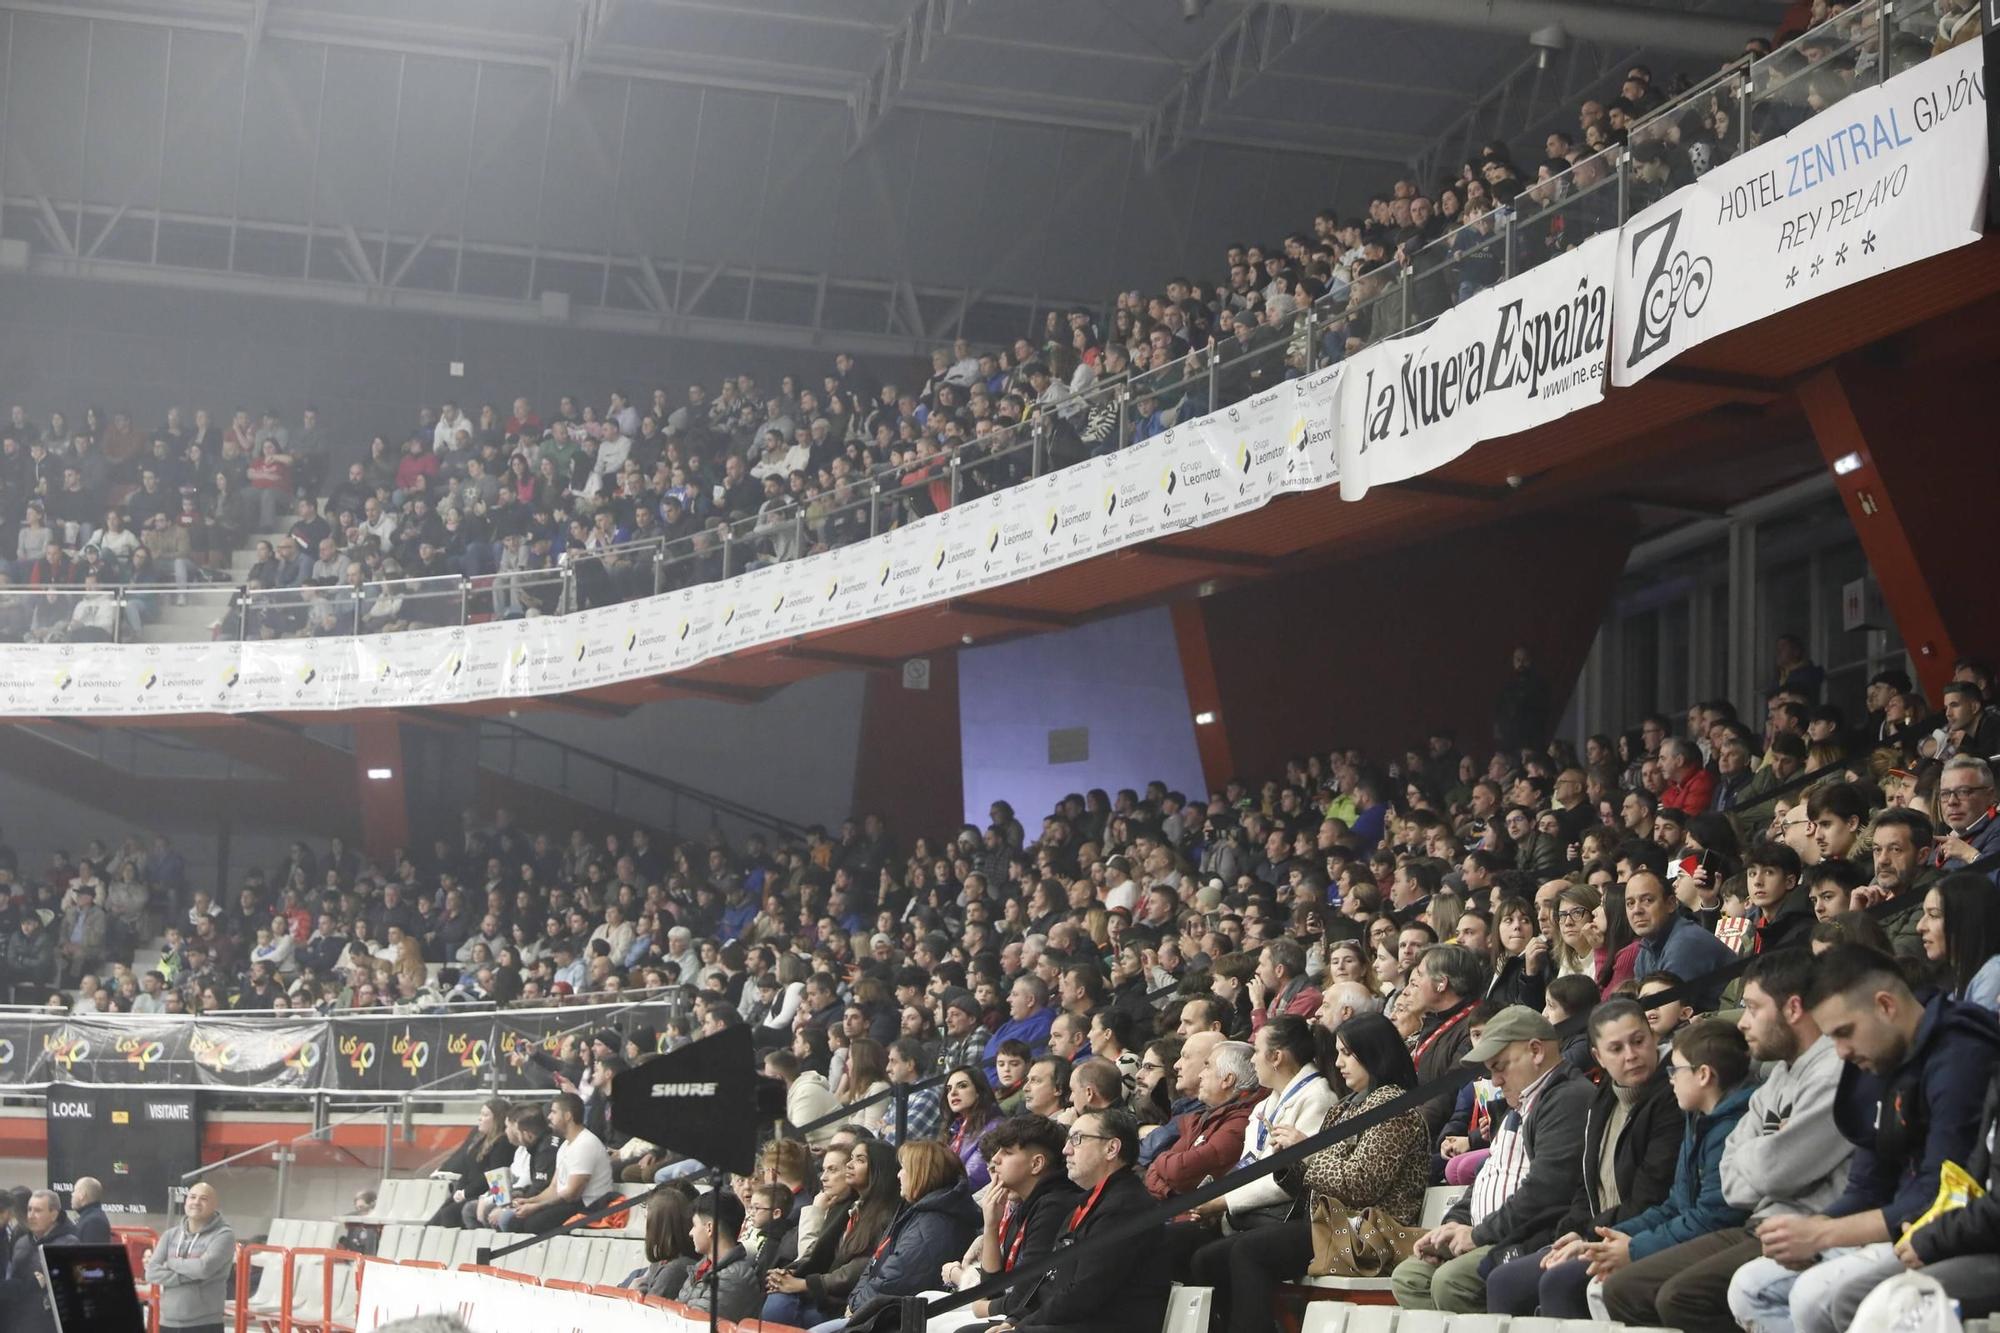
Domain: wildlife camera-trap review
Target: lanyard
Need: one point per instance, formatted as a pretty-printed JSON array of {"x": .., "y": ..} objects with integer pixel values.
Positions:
[
  {"x": 1011, "y": 1251},
  {"x": 1083, "y": 1210},
  {"x": 1299, "y": 1084},
  {"x": 1442, "y": 1028}
]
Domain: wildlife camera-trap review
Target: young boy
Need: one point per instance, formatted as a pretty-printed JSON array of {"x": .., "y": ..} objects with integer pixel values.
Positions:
[
  {"x": 1710, "y": 1070},
  {"x": 1668, "y": 1018}
]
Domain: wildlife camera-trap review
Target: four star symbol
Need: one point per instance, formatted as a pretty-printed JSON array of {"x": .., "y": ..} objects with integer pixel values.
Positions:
[
  {"x": 1792, "y": 278},
  {"x": 1868, "y": 244},
  {"x": 1817, "y": 261},
  {"x": 1840, "y": 255}
]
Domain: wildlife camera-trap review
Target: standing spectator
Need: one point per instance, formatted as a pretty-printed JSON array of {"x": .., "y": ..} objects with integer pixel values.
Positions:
[
  {"x": 193, "y": 1265},
  {"x": 1521, "y": 712},
  {"x": 86, "y": 1197},
  {"x": 26, "y": 1302}
]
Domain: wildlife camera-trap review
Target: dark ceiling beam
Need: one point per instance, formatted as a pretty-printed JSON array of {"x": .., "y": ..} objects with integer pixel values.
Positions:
[
  {"x": 1454, "y": 490},
  {"x": 1255, "y": 40},
  {"x": 1023, "y": 615},
  {"x": 1202, "y": 555},
  {"x": 800, "y": 653},
  {"x": 1727, "y": 380},
  {"x": 1597, "y": 20}
]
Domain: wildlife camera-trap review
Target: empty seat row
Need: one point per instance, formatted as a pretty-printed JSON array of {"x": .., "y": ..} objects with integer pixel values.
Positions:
[
  {"x": 409, "y": 1200},
  {"x": 589, "y": 1258},
  {"x": 1339, "y": 1317}
]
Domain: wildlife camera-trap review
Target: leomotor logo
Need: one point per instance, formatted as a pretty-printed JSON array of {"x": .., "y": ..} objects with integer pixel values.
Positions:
[
  {"x": 360, "y": 1054},
  {"x": 140, "y": 1053},
  {"x": 472, "y": 1052},
  {"x": 1676, "y": 286}
]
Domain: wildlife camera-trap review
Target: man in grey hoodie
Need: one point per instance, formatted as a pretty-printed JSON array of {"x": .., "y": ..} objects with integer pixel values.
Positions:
[
  {"x": 192, "y": 1265},
  {"x": 1785, "y": 1157}
]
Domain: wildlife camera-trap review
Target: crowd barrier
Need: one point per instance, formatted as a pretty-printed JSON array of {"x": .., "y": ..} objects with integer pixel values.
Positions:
[
  {"x": 490, "y": 1050},
  {"x": 1893, "y": 174}
]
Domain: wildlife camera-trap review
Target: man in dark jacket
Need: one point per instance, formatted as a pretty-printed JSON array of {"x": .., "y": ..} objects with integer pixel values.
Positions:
[
  {"x": 1124, "y": 1289},
  {"x": 1910, "y": 1099},
  {"x": 1781, "y": 911},
  {"x": 725, "y": 1278},
  {"x": 1957, "y": 1247},
  {"x": 1635, "y": 1120},
  {"x": 25, "y": 1303},
  {"x": 1028, "y": 1208},
  {"x": 1448, "y": 979},
  {"x": 1529, "y": 1178},
  {"x": 92, "y": 1226}
]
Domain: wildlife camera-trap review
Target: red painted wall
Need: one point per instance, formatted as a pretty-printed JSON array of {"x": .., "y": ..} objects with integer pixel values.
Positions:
[
  {"x": 1371, "y": 652},
  {"x": 907, "y": 764}
]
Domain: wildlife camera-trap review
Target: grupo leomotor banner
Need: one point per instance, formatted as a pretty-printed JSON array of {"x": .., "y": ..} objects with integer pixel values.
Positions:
[
  {"x": 440, "y": 1052},
  {"x": 1890, "y": 175}
]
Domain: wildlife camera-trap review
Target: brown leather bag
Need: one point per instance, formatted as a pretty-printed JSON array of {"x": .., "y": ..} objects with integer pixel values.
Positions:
[{"x": 1368, "y": 1244}]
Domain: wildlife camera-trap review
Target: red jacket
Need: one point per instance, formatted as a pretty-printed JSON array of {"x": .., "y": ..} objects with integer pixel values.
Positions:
[
  {"x": 1692, "y": 797},
  {"x": 1209, "y": 1145},
  {"x": 1303, "y": 1004}
]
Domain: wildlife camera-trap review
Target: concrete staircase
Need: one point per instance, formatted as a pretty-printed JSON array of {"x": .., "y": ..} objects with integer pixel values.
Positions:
[{"x": 206, "y": 614}]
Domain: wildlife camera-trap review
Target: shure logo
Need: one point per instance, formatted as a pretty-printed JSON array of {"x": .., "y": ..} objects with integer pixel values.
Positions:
[{"x": 684, "y": 1089}]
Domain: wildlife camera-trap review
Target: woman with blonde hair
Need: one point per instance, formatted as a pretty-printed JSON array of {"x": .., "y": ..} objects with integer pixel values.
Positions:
[{"x": 936, "y": 1222}]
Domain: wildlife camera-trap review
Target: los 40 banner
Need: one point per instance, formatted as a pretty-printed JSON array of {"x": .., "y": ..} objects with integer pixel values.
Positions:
[
  {"x": 1888, "y": 176},
  {"x": 447, "y": 1052}
]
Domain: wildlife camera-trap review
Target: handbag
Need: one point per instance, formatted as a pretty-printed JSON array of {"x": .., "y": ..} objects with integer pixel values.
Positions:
[{"x": 1367, "y": 1244}]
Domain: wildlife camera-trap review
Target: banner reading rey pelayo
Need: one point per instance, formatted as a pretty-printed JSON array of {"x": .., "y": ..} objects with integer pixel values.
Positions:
[{"x": 1893, "y": 174}]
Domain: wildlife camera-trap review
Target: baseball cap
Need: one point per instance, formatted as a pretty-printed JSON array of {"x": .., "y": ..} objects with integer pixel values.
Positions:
[{"x": 1515, "y": 1023}]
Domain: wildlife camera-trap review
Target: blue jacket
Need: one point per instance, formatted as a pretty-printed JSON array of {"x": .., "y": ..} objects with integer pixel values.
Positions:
[
  {"x": 1034, "y": 1030},
  {"x": 1694, "y": 1205},
  {"x": 923, "y": 1238},
  {"x": 1905, "y": 1125},
  {"x": 1690, "y": 953}
]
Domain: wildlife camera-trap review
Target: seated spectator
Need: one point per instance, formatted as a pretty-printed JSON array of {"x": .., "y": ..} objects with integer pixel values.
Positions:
[
  {"x": 1125, "y": 1288},
  {"x": 1023, "y": 1214},
  {"x": 973, "y": 1110},
  {"x": 724, "y": 1279},
  {"x": 1781, "y": 913},
  {"x": 1208, "y": 1141},
  {"x": 1785, "y": 1156},
  {"x": 581, "y": 1179},
  {"x": 670, "y": 1252},
  {"x": 936, "y": 1220},
  {"x": 1960, "y": 931},
  {"x": 815, "y": 1289},
  {"x": 1447, "y": 983},
  {"x": 1632, "y": 1138},
  {"x": 485, "y": 1149},
  {"x": 1956, "y": 1248},
  {"x": 1669, "y": 942},
  {"x": 1909, "y": 1100},
  {"x": 1528, "y": 1181},
  {"x": 1384, "y": 1166}
]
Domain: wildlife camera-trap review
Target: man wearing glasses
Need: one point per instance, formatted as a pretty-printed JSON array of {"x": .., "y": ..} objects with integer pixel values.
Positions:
[
  {"x": 1965, "y": 800},
  {"x": 1102, "y": 1147}
]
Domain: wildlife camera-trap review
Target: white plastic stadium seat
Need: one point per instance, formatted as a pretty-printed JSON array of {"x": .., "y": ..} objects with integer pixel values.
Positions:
[
  {"x": 1423, "y": 1321},
  {"x": 1437, "y": 1202},
  {"x": 436, "y": 1244},
  {"x": 1349, "y": 1283},
  {"x": 399, "y": 1241},
  {"x": 1543, "y": 1324},
  {"x": 1326, "y": 1317},
  {"x": 1187, "y": 1309},
  {"x": 1478, "y": 1323},
  {"x": 1372, "y": 1319}
]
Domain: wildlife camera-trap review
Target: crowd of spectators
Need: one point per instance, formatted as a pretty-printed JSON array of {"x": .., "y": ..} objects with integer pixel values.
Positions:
[
  {"x": 1144, "y": 993},
  {"x": 547, "y": 510}
]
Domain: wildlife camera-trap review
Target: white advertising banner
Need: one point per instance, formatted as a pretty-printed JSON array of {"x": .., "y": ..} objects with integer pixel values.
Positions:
[
  {"x": 1512, "y": 357},
  {"x": 1888, "y": 176}
]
